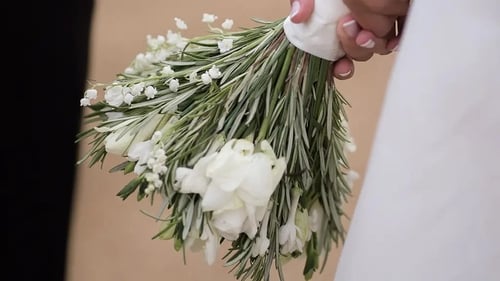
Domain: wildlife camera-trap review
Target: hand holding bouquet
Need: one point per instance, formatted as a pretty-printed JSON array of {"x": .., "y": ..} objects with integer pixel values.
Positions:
[{"x": 242, "y": 135}]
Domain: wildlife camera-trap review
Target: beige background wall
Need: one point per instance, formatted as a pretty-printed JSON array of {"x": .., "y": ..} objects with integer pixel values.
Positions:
[{"x": 110, "y": 238}]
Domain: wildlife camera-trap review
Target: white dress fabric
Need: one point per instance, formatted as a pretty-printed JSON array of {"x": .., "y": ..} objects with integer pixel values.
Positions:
[{"x": 429, "y": 208}]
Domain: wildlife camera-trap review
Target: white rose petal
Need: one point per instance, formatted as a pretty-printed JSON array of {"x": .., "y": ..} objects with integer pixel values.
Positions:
[{"x": 229, "y": 223}]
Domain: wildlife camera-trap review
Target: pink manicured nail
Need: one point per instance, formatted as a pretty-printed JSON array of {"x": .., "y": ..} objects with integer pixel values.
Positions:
[
  {"x": 368, "y": 44},
  {"x": 295, "y": 9},
  {"x": 351, "y": 28},
  {"x": 345, "y": 74}
]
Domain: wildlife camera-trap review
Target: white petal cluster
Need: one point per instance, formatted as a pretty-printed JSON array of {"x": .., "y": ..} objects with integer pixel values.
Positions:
[
  {"x": 290, "y": 236},
  {"x": 180, "y": 23},
  {"x": 261, "y": 245},
  {"x": 120, "y": 139},
  {"x": 235, "y": 184},
  {"x": 208, "y": 241},
  {"x": 90, "y": 94},
  {"x": 225, "y": 45},
  {"x": 213, "y": 73},
  {"x": 227, "y": 24},
  {"x": 209, "y": 18},
  {"x": 176, "y": 39},
  {"x": 117, "y": 95}
]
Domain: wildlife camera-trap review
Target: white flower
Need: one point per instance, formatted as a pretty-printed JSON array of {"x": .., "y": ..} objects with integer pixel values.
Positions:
[
  {"x": 156, "y": 136},
  {"x": 259, "y": 248},
  {"x": 173, "y": 85},
  {"x": 150, "y": 92},
  {"x": 194, "y": 180},
  {"x": 84, "y": 102},
  {"x": 351, "y": 177},
  {"x": 155, "y": 43},
  {"x": 180, "y": 23},
  {"x": 205, "y": 78},
  {"x": 129, "y": 70},
  {"x": 225, "y": 45},
  {"x": 230, "y": 223},
  {"x": 91, "y": 94},
  {"x": 192, "y": 76},
  {"x": 119, "y": 141},
  {"x": 149, "y": 189},
  {"x": 114, "y": 95},
  {"x": 175, "y": 39},
  {"x": 156, "y": 161},
  {"x": 214, "y": 72},
  {"x": 208, "y": 18},
  {"x": 235, "y": 183},
  {"x": 316, "y": 216},
  {"x": 167, "y": 70},
  {"x": 161, "y": 54},
  {"x": 208, "y": 241},
  {"x": 128, "y": 98},
  {"x": 141, "y": 62},
  {"x": 227, "y": 24},
  {"x": 154, "y": 180},
  {"x": 137, "y": 89},
  {"x": 140, "y": 152},
  {"x": 287, "y": 235}
]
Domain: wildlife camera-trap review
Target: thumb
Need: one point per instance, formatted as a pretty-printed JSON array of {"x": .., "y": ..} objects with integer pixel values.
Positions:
[{"x": 301, "y": 10}]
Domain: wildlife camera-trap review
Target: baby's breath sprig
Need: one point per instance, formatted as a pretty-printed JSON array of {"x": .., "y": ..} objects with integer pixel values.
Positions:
[{"x": 241, "y": 134}]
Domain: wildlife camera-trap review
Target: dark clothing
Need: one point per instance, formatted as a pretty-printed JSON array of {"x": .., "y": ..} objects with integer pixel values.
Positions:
[{"x": 40, "y": 209}]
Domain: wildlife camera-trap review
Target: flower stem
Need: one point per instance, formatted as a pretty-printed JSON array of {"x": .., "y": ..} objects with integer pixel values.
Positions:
[{"x": 276, "y": 93}]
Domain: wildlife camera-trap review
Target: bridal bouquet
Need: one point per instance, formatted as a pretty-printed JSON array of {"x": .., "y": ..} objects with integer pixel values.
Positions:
[{"x": 241, "y": 134}]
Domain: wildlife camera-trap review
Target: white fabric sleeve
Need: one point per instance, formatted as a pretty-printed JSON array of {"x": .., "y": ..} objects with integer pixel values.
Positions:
[{"x": 429, "y": 208}]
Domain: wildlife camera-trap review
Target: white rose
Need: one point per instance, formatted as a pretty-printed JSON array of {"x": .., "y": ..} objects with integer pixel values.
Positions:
[{"x": 236, "y": 184}]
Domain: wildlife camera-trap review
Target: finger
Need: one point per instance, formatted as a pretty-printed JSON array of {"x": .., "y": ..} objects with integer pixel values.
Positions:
[
  {"x": 380, "y": 25},
  {"x": 301, "y": 10},
  {"x": 343, "y": 68},
  {"x": 359, "y": 45},
  {"x": 381, "y": 7},
  {"x": 393, "y": 44},
  {"x": 366, "y": 39}
]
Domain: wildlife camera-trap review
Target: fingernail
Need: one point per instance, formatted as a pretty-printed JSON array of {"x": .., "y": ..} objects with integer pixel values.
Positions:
[
  {"x": 368, "y": 44},
  {"x": 295, "y": 9},
  {"x": 345, "y": 74},
  {"x": 351, "y": 28}
]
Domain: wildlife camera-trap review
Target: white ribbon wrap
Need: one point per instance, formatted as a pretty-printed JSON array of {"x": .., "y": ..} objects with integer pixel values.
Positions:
[{"x": 317, "y": 36}]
